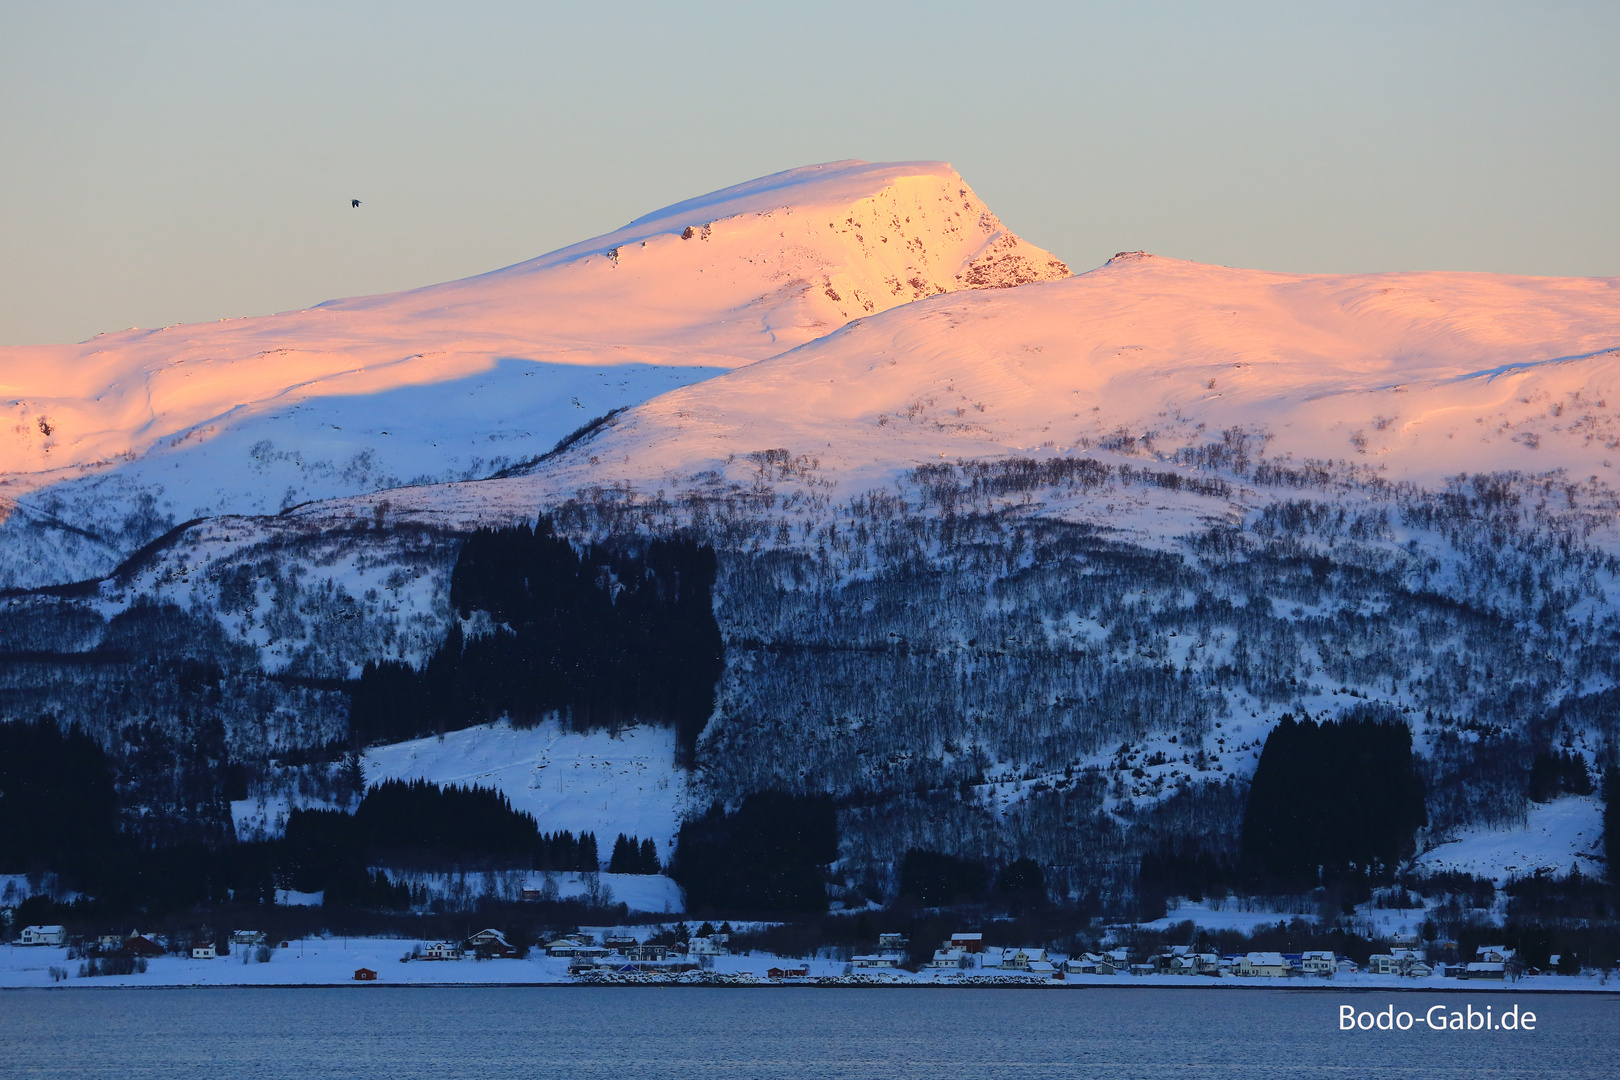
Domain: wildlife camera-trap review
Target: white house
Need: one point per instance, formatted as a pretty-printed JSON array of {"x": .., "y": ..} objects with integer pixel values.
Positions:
[
  {"x": 576, "y": 945},
  {"x": 205, "y": 951},
  {"x": 1493, "y": 954},
  {"x": 874, "y": 960},
  {"x": 442, "y": 950},
  {"x": 43, "y": 935},
  {"x": 1318, "y": 962},
  {"x": 247, "y": 937},
  {"x": 712, "y": 945},
  {"x": 950, "y": 958},
  {"x": 1262, "y": 965},
  {"x": 1021, "y": 959}
]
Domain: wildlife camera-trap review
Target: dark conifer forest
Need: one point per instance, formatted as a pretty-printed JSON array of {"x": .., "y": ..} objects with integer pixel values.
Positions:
[
  {"x": 770, "y": 856},
  {"x": 934, "y": 879},
  {"x": 56, "y": 798},
  {"x": 1331, "y": 800},
  {"x": 599, "y": 637}
]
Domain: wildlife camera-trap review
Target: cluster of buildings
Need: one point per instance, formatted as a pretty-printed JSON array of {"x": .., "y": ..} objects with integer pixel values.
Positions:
[
  {"x": 135, "y": 943},
  {"x": 625, "y": 954},
  {"x": 968, "y": 952},
  {"x": 587, "y": 952},
  {"x": 487, "y": 944}
]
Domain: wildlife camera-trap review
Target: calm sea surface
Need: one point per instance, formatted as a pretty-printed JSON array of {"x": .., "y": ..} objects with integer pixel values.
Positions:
[{"x": 806, "y": 1034}]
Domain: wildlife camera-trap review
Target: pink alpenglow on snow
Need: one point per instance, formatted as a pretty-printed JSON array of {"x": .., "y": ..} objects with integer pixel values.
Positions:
[
  {"x": 1418, "y": 376},
  {"x": 719, "y": 281}
]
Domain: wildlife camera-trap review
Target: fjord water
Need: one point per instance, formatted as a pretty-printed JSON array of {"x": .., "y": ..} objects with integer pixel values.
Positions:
[{"x": 807, "y": 1034}]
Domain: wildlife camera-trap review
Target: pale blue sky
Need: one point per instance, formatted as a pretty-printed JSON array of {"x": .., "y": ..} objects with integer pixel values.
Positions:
[{"x": 168, "y": 162}]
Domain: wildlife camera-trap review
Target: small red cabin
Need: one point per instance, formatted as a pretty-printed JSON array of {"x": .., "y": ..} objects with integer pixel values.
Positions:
[{"x": 365, "y": 975}]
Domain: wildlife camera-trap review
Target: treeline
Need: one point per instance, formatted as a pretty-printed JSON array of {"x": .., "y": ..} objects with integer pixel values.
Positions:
[
  {"x": 601, "y": 637},
  {"x": 418, "y": 825},
  {"x": 1331, "y": 801},
  {"x": 769, "y": 856}
]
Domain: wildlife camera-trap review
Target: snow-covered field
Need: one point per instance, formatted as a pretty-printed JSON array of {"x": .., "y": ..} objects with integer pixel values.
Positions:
[
  {"x": 326, "y": 961},
  {"x": 598, "y": 782},
  {"x": 1557, "y": 837}
]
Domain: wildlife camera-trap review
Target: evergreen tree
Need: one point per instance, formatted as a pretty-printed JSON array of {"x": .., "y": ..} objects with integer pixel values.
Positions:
[{"x": 626, "y": 857}]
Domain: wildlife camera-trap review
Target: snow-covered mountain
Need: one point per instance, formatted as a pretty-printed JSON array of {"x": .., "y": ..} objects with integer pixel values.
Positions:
[
  {"x": 109, "y": 442},
  {"x": 1413, "y": 377},
  {"x": 1010, "y": 571},
  {"x": 1428, "y": 439}
]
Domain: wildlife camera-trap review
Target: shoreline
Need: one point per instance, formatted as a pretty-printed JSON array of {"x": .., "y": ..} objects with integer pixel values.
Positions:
[{"x": 829, "y": 983}]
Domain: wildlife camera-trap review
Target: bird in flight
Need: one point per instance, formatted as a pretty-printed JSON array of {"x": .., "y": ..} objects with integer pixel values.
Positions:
[{"x": 355, "y": 203}]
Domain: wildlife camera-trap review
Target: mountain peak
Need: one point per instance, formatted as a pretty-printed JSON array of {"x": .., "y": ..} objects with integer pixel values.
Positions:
[{"x": 465, "y": 378}]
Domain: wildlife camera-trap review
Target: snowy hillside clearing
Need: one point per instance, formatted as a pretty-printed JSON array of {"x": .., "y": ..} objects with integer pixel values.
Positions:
[
  {"x": 595, "y": 782},
  {"x": 1556, "y": 837}
]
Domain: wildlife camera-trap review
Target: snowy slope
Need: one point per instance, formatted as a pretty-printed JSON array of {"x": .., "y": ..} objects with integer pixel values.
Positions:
[
  {"x": 595, "y": 782},
  {"x": 117, "y": 434},
  {"x": 1556, "y": 837},
  {"x": 1417, "y": 376}
]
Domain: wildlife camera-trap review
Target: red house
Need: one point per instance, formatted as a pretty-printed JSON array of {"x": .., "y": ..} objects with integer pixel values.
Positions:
[{"x": 365, "y": 975}]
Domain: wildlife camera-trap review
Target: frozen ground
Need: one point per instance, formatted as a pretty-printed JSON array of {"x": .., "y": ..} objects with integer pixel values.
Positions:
[
  {"x": 1556, "y": 837},
  {"x": 596, "y": 782}
]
